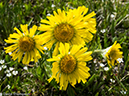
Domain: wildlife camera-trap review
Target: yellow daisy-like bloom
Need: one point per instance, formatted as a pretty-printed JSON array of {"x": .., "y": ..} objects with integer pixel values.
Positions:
[
  {"x": 72, "y": 26},
  {"x": 70, "y": 65},
  {"x": 26, "y": 43},
  {"x": 113, "y": 53}
]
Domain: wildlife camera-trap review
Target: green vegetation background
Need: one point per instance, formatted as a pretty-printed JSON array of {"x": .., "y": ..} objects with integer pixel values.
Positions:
[{"x": 34, "y": 80}]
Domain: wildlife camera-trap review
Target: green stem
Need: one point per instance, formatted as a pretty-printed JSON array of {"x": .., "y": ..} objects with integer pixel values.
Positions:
[
  {"x": 120, "y": 82},
  {"x": 42, "y": 66},
  {"x": 90, "y": 81},
  {"x": 97, "y": 51},
  {"x": 2, "y": 84},
  {"x": 70, "y": 91}
]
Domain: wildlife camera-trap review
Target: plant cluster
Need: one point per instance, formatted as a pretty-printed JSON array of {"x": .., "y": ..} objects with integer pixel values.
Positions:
[{"x": 54, "y": 47}]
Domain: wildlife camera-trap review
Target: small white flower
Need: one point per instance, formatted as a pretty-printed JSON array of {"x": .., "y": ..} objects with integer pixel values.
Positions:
[
  {"x": 31, "y": 75},
  {"x": 25, "y": 68},
  {"x": 8, "y": 75},
  {"x": 7, "y": 71},
  {"x": 105, "y": 51},
  {"x": 113, "y": 81},
  {"x": 2, "y": 61},
  {"x": 112, "y": 15},
  {"x": 33, "y": 90},
  {"x": 5, "y": 44},
  {"x": 106, "y": 68},
  {"x": 11, "y": 68},
  {"x": 120, "y": 60},
  {"x": 0, "y": 68},
  {"x": 101, "y": 64},
  {"x": 45, "y": 48},
  {"x": 113, "y": 1},
  {"x": 10, "y": 53},
  {"x": 15, "y": 72},
  {"x": 23, "y": 34},
  {"x": 103, "y": 30},
  {"x": 95, "y": 61},
  {"x": 46, "y": 53},
  {"x": 8, "y": 86},
  {"x": 68, "y": 52},
  {"x": 103, "y": 60},
  {"x": 53, "y": 5},
  {"x": 72, "y": 7},
  {"x": 104, "y": 78},
  {"x": 123, "y": 92},
  {"x": 67, "y": 4},
  {"x": 4, "y": 66},
  {"x": 48, "y": 14}
]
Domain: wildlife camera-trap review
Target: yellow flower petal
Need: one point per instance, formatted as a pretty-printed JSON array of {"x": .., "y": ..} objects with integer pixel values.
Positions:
[
  {"x": 89, "y": 16},
  {"x": 62, "y": 48},
  {"x": 54, "y": 59},
  {"x": 58, "y": 77},
  {"x": 19, "y": 32},
  {"x": 67, "y": 48},
  {"x": 24, "y": 29},
  {"x": 74, "y": 49},
  {"x": 49, "y": 45},
  {"x": 28, "y": 58},
  {"x": 11, "y": 41},
  {"x": 45, "y": 21},
  {"x": 14, "y": 35},
  {"x": 33, "y": 30},
  {"x": 55, "y": 52},
  {"x": 67, "y": 68},
  {"x": 81, "y": 51},
  {"x": 65, "y": 27},
  {"x": 24, "y": 59},
  {"x": 20, "y": 56},
  {"x": 113, "y": 53},
  {"x": 26, "y": 45},
  {"x": 44, "y": 27}
]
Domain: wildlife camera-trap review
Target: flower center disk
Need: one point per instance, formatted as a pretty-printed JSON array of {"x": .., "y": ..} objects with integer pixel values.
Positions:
[
  {"x": 26, "y": 43},
  {"x": 64, "y": 32},
  {"x": 113, "y": 54},
  {"x": 68, "y": 64}
]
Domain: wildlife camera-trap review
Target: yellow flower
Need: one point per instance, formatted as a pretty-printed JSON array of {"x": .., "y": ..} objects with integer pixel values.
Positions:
[
  {"x": 112, "y": 54},
  {"x": 72, "y": 26},
  {"x": 70, "y": 65},
  {"x": 25, "y": 44}
]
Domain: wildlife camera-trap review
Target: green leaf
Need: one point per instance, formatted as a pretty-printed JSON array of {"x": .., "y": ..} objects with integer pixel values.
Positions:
[
  {"x": 70, "y": 91},
  {"x": 95, "y": 86},
  {"x": 38, "y": 71},
  {"x": 90, "y": 80},
  {"x": 114, "y": 39},
  {"x": 97, "y": 94},
  {"x": 7, "y": 58},
  {"x": 1, "y": 5}
]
